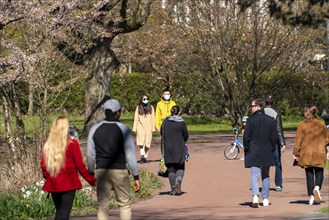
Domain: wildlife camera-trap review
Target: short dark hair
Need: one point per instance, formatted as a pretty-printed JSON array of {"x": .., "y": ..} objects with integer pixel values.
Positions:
[
  {"x": 259, "y": 102},
  {"x": 269, "y": 100},
  {"x": 166, "y": 90},
  {"x": 109, "y": 113},
  {"x": 175, "y": 110}
]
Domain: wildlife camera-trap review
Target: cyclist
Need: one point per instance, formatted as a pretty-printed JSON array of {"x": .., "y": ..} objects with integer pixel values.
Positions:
[{"x": 244, "y": 122}]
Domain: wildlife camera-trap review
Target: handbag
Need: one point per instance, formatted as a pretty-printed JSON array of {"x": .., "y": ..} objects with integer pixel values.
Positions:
[
  {"x": 162, "y": 168},
  {"x": 295, "y": 163},
  {"x": 187, "y": 153}
]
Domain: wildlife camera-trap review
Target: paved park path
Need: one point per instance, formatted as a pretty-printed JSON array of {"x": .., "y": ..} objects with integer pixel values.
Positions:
[{"x": 217, "y": 188}]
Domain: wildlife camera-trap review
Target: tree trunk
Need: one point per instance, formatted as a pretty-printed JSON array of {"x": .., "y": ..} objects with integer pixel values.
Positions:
[
  {"x": 9, "y": 135},
  {"x": 30, "y": 109},
  {"x": 101, "y": 64},
  {"x": 44, "y": 113},
  {"x": 19, "y": 120}
]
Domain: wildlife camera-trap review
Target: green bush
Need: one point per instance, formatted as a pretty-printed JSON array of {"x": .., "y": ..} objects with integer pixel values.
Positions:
[
  {"x": 149, "y": 183},
  {"x": 30, "y": 202}
]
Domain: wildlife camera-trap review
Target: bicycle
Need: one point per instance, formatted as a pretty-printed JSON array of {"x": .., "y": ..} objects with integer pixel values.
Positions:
[{"x": 233, "y": 150}]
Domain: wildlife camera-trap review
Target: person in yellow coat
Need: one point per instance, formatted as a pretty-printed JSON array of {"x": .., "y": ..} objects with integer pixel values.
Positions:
[
  {"x": 144, "y": 126},
  {"x": 163, "y": 108},
  {"x": 162, "y": 111}
]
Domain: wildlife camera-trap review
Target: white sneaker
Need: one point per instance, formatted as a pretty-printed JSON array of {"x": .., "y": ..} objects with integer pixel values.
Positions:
[
  {"x": 317, "y": 195},
  {"x": 311, "y": 202},
  {"x": 266, "y": 202},
  {"x": 255, "y": 201}
]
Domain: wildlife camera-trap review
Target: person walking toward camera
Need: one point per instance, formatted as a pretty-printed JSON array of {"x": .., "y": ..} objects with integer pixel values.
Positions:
[
  {"x": 174, "y": 133},
  {"x": 111, "y": 146},
  {"x": 310, "y": 151},
  {"x": 281, "y": 145},
  {"x": 61, "y": 162},
  {"x": 144, "y": 126},
  {"x": 163, "y": 108},
  {"x": 162, "y": 111},
  {"x": 259, "y": 140}
]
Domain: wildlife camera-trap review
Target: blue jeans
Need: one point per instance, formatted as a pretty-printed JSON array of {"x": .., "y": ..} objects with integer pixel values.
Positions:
[
  {"x": 256, "y": 172},
  {"x": 278, "y": 166}
]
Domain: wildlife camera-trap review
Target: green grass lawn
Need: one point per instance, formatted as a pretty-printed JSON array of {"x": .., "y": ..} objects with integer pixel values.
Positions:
[
  {"x": 196, "y": 125},
  {"x": 204, "y": 125}
]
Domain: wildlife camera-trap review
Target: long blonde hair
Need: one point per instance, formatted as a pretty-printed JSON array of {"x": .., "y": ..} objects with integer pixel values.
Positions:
[{"x": 55, "y": 146}]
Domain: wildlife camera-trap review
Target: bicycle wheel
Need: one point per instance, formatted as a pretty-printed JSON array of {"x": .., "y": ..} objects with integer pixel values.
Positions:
[{"x": 231, "y": 152}]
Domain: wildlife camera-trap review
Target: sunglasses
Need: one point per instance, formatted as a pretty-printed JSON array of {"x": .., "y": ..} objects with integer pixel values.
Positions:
[{"x": 144, "y": 99}]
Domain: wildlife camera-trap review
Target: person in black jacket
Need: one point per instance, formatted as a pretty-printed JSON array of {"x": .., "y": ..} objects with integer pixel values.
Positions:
[
  {"x": 259, "y": 139},
  {"x": 281, "y": 145},
  {"x": 174, "y": 133}
]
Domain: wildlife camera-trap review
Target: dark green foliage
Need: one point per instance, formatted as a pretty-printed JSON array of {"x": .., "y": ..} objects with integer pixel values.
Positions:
[
  {"x": 72, "y": 98},
  {"x": 313, "y": 13},
  {"x": 186, "y": 90},
  {"x": 292, "y": 92},
  {"x": 128, "y": 88}
]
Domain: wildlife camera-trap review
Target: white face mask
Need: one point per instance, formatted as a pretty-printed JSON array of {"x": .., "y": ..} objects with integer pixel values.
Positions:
[
  {"x": 166, "y": 97},
  {"x": 145, "y": 102}
]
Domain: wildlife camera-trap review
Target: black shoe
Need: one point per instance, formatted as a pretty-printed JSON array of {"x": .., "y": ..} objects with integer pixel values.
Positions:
[
  {"x": 145, "y": 160},
  {"x": 142, "y": 159}
]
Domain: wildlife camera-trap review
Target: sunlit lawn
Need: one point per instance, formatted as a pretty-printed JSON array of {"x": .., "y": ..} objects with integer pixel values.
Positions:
[{"x": 196, "y": 125}]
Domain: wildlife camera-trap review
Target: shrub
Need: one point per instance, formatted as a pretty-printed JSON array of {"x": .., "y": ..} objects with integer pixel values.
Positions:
[{"x": 30, "y": 201}]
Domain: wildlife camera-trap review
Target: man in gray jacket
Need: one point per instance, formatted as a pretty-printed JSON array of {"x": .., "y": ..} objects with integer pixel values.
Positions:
[
  {"x": 281, "y": 145},
  {"x": 111, "y": 146}
]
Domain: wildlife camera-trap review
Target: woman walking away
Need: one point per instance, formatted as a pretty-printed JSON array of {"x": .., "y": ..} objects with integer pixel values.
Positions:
[
  {"x": 144, "y": 126},
  {"x": 174, "y": 133},
  {"x": 61, "y": 161},
  {"x": 310, "y": 151}
]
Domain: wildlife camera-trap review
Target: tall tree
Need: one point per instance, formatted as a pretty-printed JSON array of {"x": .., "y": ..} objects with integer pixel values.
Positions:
[
  {"x": 84, "y": 31},
  {"x": 86, "y": 38},
  {"x": 164, "y": 49},
  {"x": 245, "y": 51}
]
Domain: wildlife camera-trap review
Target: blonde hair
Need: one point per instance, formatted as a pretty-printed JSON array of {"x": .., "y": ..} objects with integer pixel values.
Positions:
[
  {"x": 55, "y": 146},
  {"x": 310, "y": 111}
]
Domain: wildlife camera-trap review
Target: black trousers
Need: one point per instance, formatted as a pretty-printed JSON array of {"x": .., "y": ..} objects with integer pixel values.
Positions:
[
  {"x": 312, "y": 172},
  {"x": 63, "y": 203}
]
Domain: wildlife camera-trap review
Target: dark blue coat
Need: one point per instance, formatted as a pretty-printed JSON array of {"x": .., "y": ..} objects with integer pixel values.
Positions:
[{"x": 259, "y": 139}]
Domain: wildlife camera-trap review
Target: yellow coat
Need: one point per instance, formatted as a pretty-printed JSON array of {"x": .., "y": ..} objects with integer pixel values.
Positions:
[
  {"x": 311, "y": 139},
  {"x": 144, "y": 126},
  {"x": 162, "y": 111}
]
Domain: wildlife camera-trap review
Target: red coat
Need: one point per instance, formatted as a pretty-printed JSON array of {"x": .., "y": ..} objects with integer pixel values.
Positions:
[{"x": 68, "y": 178}]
